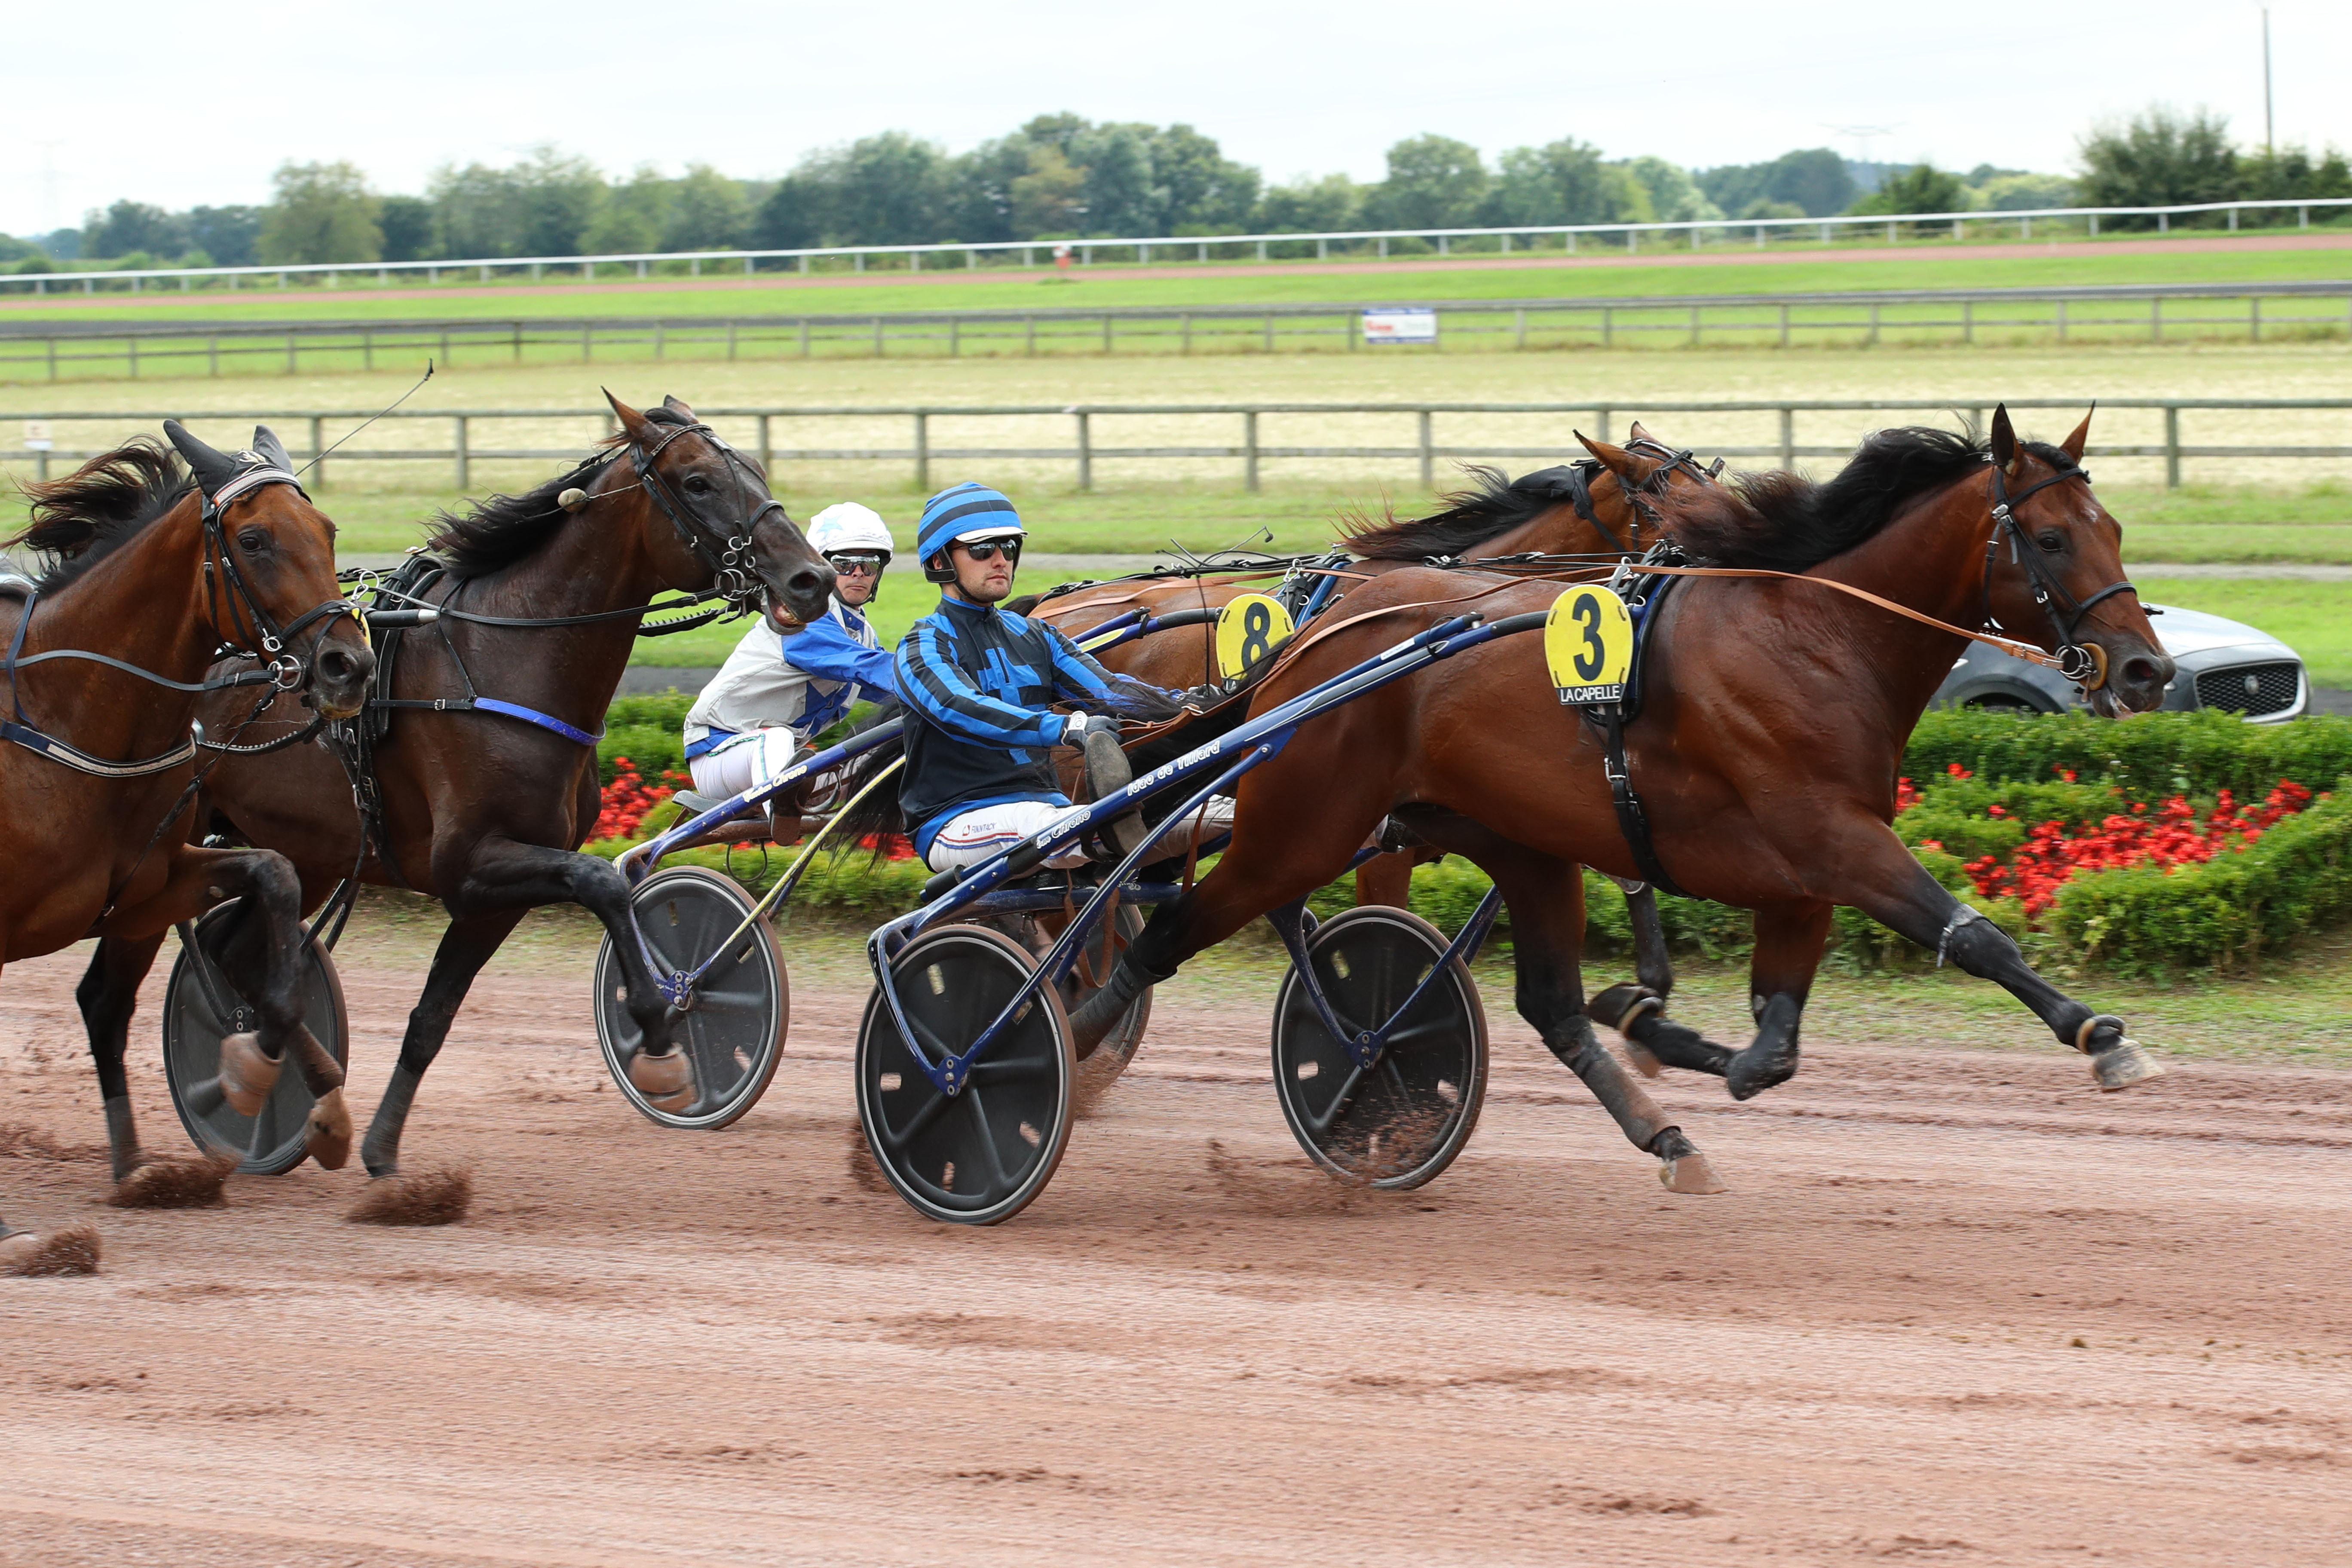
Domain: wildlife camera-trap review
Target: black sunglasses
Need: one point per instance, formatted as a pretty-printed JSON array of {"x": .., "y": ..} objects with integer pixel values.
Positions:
[
  {"x": 865, "y": 563},
  {"x": 986, "y": 549}
]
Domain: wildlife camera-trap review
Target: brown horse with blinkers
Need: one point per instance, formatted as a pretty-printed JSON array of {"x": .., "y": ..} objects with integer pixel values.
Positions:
[
  {"x": 1764, "y": 754},
  {"x": 110, "y": 655},
  {"x": 485, "y": 809}
]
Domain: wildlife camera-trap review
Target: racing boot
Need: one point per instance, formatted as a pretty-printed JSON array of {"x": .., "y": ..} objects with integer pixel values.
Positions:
[{"x": 1107, "y": 773}]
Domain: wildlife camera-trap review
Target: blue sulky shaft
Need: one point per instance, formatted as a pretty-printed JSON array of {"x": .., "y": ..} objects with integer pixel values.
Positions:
[{"x": 1230, "y": 756}]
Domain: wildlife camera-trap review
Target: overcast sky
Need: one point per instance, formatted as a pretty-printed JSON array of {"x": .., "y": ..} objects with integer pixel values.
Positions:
[{"x": 181, "y": 105}]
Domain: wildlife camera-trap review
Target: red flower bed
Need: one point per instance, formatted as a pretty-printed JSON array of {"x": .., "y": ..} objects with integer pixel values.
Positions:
[
  {"x": 2169, "y": 836},
  {"x": 894, "y": 846},
  {"x": 623, "y": 802}
]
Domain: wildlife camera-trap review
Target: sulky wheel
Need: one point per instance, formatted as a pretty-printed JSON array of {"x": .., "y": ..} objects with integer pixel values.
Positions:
[
  {"x": 1403, "y": 1120},
  {"x": 199, "y": 1009},
  {"x": 733, "y": 1030},
  {"x": 979, "y": 1156}
]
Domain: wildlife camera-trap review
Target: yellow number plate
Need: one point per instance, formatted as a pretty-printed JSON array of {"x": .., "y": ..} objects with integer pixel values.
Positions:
[
  {"x": 1588, "y": 645},
  {"x": 1249, "y": 628}
]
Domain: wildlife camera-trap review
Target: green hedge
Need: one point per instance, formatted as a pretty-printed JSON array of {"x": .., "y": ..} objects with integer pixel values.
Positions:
[
  {"x": 2225, "y": 913},
  {"x": 2151, "y": 756}
]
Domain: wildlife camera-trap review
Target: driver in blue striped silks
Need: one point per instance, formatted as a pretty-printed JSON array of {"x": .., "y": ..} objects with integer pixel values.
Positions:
[{"x": 980, "y": 688}]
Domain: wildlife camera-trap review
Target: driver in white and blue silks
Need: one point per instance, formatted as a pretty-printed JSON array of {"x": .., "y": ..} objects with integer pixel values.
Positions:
[{"x": 784, "y": 684}]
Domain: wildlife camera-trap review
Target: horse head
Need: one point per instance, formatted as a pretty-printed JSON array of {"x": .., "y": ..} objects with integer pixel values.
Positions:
[
  {"x": 1634, "y": 477},
  {"x": 731, "y": 532},
  {"x": 2056, "y": 574},
  {"x": 269, "y": 572}
]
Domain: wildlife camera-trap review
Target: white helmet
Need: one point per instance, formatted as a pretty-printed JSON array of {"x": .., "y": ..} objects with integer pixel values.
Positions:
[{"x": 846, "y": 526}]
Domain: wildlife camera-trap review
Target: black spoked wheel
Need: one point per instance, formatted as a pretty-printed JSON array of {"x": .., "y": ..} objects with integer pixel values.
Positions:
[
  {"x": 1400, "y": 1122},
  {"x": 977, "y": 1157},
  {"x": 199, "y": 1010},
  {"x": 734, "y": 1031},
  {"x": 1100, "y": 1068}
]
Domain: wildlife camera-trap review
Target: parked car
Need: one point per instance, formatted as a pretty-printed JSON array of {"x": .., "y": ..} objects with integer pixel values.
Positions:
[{"x": 2222, "y": 664}]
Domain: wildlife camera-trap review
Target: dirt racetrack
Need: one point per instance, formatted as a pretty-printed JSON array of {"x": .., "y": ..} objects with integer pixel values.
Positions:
[{"x": 1956, "y": 1307}]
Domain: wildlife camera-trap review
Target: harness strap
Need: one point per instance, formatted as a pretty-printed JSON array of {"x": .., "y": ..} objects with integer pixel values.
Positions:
[
  {"x": 1633, "y": 822},
  {"x": 81, "y": 762},
  {"x": 2010, "y": 646}
]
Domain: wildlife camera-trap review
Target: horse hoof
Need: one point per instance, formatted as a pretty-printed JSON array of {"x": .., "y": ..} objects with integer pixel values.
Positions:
[
  {"x": 1689, "y": 1174},
  {"x": 664, "y": 1079},
  {"x": 330, "y": 1140},
  {"x": 1758, "y": 1069},
  {"x": 2124, "y": 1064},
  {"x": 73, "y": 1251},
  {"x": 174, "y": 1185},
  {"x": 246, "y": 1076}
]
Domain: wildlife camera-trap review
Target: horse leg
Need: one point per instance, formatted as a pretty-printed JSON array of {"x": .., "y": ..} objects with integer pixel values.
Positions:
[
  {"x": 261, "y": 959},
  {"x": 1637, "y": 1008},
  {"x": 109, "y": 996},
  {"x": 1788, "y": 942},
  {"x": 1284, "y": 848},
  {"x": 250, "y": 958},
  {"x": 1546, "y": 900},
  {"x": 464, "y": 947},
  {"x": 1386, "y": 879},
  {"x": 505, "y": 874},
  {"x": 1896, "y": 891}
]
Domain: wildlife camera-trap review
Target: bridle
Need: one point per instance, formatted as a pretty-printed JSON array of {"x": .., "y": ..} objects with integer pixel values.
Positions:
[
  {"x": 2083, "y": 663},
  {"x": 734, "y": 570},
  {"x": 251, "y": 629},
  {"x": 1642, "y": 493}
]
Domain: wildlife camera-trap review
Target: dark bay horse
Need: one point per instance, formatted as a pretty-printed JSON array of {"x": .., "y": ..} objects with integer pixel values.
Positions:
[
  {"x": 485, "y": 810},
  {"x": 1764, "y": 754},
  {"x": 156, "y": 568}
]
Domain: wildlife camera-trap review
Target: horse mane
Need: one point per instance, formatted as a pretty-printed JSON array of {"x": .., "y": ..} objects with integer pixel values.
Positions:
[
  {"x": 1788, "y": 523},
  {"x": 501, "y": 529},
  {"x": 83, "y": 517},
  {"x": 1492, "y": 503}
]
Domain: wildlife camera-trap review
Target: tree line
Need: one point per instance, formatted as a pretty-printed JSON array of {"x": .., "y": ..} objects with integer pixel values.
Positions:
[{"x": 1061, "y": 177}]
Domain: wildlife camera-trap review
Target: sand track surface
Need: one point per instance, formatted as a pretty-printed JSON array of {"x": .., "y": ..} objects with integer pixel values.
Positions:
[{"x": 1956, "y": 1307}]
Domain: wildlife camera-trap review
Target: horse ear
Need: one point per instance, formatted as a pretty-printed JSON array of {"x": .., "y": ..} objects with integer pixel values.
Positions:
[
  {"x": 2005, "y": 449},
  {"x": 1628, "y": 468},
  {"x": 1637, "y": 432},
  {"x": 631, "y": 420},
  {"x": 272, "y": 450},
  {"x": 2073, "y": 445},
  {"x": 676, "y": 406},
  {"x": 213, "y": 468}
]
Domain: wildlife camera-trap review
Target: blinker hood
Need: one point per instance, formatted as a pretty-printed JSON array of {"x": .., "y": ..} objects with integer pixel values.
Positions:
[{"x": 222, "y": 477}]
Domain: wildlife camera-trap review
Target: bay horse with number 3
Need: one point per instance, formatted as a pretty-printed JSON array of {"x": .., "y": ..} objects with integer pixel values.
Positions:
[
  {"x": 157, "y": 566},
  {"x": 1765, "y": 752}
]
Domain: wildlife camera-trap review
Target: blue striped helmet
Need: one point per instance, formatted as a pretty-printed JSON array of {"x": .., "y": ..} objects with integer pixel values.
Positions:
[{"x": 967, "y": 511}]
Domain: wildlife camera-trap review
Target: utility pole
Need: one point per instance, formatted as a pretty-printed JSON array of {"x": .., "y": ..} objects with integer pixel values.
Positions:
[{"x": 2270, "y": 139}]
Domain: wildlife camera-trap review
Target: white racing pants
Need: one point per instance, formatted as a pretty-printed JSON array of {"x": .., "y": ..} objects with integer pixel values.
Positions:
[
  {"x": 977, "y": 836},
  {"x": 743, "y": 761}
]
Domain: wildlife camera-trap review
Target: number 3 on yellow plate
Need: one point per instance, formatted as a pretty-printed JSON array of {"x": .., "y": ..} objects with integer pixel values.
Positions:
[
  {"x": 1249, "y": 628},
  {"x": 1589, "y": 645}
]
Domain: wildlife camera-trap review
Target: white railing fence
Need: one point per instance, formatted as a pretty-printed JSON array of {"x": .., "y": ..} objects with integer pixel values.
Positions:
[
  {"x": 310, "y": 433},
  {"x": 1564, "y": 237}
]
